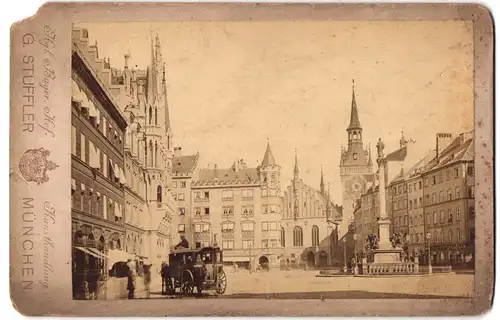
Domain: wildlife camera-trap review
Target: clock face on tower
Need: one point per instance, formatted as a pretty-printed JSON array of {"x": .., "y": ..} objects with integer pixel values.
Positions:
[{"x": 354, "y": 184}]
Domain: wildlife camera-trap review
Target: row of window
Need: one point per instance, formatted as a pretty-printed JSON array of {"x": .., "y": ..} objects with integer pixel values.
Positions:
[
  {"x": 85, "y": 199},
  {"x": 449, "y": 217},
  {"x": 413, "y": 204},
  {"x": 438, "y": 178},
  {"x": 246, "y": 211},
  {"x": 179, "y": 197},
  {"x": 433, "y": 180},
  {"x": 88, "y": 152},
  {"x": 438, "y": 237},
  {"x": 182, "y": 184},
  {"x": 93, "y": 114},
  {"x": 198, "y": 228},
  {"x": 228, "y": 195}
]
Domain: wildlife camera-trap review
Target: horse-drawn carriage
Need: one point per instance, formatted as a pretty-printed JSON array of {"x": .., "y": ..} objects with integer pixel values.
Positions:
[{"x": 196, "y": 268}]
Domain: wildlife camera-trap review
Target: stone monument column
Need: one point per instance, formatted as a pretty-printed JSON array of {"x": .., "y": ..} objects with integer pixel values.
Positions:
[
  {"x": 383, "y": 222},
  {"x": 385, "y": 253}
]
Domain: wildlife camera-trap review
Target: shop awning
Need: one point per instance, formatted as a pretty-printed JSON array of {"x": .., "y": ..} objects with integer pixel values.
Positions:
[
  {"x": 87, "y": 251},
  {"x": 118, "y": 256},
  {"x": 99, "y": 253}
]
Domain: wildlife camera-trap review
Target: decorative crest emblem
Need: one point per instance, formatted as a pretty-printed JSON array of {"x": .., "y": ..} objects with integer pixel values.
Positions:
[{"x": 34, "y": 165}]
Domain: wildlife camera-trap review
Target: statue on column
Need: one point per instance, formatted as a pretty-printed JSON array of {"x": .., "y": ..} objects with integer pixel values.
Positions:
[{"x": 380, "y": 148}]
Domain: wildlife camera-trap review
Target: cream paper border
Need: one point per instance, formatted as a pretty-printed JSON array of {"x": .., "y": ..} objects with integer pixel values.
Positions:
[{"x": 56, "y": 298}]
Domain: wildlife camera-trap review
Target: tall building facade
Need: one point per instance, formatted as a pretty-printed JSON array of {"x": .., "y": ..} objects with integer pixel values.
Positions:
[
  {"x": 449, "y": 200},
  {"x": 366, "y": 219},
  {"x": 135, "y": 155},
  {"x": 236, "y": 208},
  {"x": 356, "y": 166},
  {"x": 97, "y": 169},
  {"x": 415, "y": 189},
  {"x": 309, "y": 223},
  {"x": 142, "y": 96},
  {"x": 184, "y": 172},
  {"x": 437, "y": 196}
]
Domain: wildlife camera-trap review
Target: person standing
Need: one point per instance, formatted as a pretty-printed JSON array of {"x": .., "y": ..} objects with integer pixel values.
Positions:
[
  {"x": 147, "y": 279},
  {"x": 165, "y": 276},
  {"x": 132, "y": 273}
]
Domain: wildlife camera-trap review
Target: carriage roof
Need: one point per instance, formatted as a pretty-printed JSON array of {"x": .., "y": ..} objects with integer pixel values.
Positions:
[{"x": 198, "y": 250}]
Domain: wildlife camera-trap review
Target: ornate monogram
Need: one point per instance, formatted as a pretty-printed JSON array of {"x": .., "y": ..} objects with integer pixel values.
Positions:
[{"x": 34, "y": 165}]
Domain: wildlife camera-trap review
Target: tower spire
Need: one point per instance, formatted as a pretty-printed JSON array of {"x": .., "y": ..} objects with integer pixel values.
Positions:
[
  {"x": 167, "y": 111},
  {"x": 322, "y": 183},
  {"x": 296, "y": 168},
  {"x": 370, "y": 162},
  {"x": 354, "y": 124},
  {"x": 151, "y": 73},
  {"x": 268, "y": 159}
]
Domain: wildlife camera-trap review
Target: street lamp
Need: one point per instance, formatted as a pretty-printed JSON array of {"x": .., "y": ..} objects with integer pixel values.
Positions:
[
  {"x": 355, "y": 238},
  {"x": 344, "y": 240},
  {"x": 428, "y": 236}
]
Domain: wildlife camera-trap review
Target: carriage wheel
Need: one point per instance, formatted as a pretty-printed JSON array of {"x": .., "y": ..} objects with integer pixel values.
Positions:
[
  {"x": 221, "y": 282},
  {"x": 187, "y": 285}
]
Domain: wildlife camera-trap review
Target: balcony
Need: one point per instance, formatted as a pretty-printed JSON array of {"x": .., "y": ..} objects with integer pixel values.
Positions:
[
  {"x": 227, "y": 234},
  {"x": 247, "y": 234},
  {"x": 199, "y": 199},
  {"x": 247, "y": 215},
  {"x": 227, "y": 198},
  {"x": 200, "y": 236},
  {"x": 228, "y": 216}
]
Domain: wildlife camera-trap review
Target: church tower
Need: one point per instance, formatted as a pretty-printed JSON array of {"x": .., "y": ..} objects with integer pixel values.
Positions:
[{"x": 356, "y": 165}]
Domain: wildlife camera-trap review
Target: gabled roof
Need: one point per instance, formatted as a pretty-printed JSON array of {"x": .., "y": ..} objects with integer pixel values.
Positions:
[
  {"x": 227, "y": 176},
  {"x": 184, "y": 164},
  {"x": 460, "y": 149},
  {"x": 417, "y": 168}
]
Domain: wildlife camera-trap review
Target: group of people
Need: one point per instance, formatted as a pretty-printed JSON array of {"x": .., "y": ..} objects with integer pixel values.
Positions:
[{"x": 132, "y": 278}]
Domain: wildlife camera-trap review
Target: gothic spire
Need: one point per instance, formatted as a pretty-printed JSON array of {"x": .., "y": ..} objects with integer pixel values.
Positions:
[
  {"x": 354, "y": 123},
  {"x": 322, "y": 183},
  {"x": 151, "y": 74},
  {"x": 268, "y": 156},
  {"x": 296, "y": 168},
  {"x": 370, "y": 162},
  {"x": 167, "y": 112}
]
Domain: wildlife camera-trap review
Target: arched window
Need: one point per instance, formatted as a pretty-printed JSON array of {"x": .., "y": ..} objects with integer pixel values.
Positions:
[
  {"x": 156, "y": 116},
  {"x": 150, "y": 114},
  {"x": 297, "y": 236},
  {"x": 282, "y": 237},
  {"x": 315, "y": 236},
  {"x": 158, "y": 194}
]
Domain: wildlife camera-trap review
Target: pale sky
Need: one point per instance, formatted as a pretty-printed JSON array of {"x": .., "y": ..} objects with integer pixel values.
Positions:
[{"x": 232, "y": 85}]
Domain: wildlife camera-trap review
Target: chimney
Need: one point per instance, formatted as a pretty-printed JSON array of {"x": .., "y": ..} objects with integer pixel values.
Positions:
[
  {"x": 177, "y": 152},
  {"x": 443, "y": 140},
  {"x": 236, "y": 166},
  {"x": 215, "y": 170}
]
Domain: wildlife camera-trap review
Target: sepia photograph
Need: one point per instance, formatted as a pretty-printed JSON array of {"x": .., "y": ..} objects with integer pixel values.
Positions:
[{"x": 286, "y": 159}]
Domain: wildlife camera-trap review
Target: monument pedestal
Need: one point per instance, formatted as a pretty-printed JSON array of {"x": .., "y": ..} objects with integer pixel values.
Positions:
[{"x": 387, "y": 255}]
